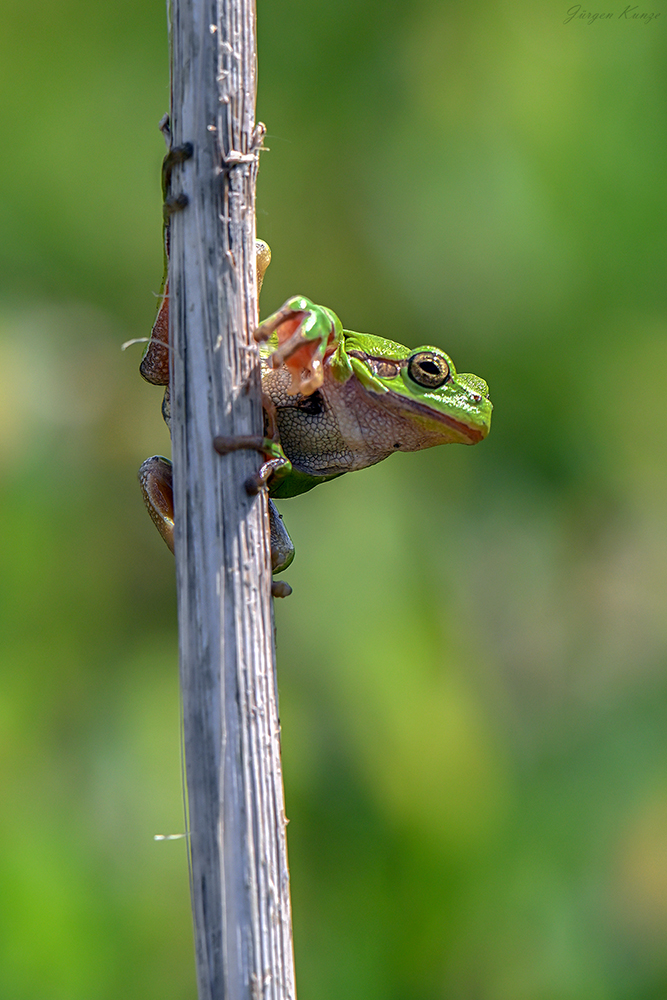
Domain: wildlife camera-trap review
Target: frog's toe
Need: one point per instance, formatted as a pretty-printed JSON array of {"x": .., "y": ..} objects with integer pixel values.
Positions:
[{"x": 285, "y": 321}]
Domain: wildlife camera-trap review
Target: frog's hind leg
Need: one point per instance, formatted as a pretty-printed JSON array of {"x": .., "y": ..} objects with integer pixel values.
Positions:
[{"x": 155, "y": 479}]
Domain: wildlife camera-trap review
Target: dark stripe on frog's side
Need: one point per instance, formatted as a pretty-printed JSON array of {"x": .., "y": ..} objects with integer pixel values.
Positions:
[{"x": 313, "y": 405}]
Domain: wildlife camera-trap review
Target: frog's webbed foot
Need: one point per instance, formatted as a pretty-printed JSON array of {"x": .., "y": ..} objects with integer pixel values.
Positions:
[
  {"x": 155, "y": 479},
  {"x": 304, "y": 332},
  {"x": 272, "y": 467},
  {"x": 177, "y": 154}
]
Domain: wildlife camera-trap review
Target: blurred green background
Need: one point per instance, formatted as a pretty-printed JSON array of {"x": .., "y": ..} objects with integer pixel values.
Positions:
[{"x": 472, "y": 664}]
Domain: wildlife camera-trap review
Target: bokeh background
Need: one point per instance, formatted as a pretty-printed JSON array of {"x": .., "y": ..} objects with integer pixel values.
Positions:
[{"x": 472, "y": 664}]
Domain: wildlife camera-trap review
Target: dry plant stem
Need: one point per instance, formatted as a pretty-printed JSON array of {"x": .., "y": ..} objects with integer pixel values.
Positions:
[{"x": 239, "y": 875}]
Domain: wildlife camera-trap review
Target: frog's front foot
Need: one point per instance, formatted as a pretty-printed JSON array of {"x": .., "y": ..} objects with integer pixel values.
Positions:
[
  {"x": 277, "y": 464},
  {"x": 304, "y": 332}
]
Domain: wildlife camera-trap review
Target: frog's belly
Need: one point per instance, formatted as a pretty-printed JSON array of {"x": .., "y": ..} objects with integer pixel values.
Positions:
[{"x": 323, "y": 434}]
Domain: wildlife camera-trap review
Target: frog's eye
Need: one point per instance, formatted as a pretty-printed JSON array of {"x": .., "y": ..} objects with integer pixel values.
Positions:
[{"x": 428, "y": 369}]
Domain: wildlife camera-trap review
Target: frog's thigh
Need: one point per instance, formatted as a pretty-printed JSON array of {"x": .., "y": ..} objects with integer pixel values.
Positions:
[{"x": 155, "y": 479}]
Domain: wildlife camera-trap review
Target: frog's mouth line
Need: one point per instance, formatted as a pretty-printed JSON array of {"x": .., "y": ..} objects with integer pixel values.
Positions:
[{"x": 472, "y": 434}]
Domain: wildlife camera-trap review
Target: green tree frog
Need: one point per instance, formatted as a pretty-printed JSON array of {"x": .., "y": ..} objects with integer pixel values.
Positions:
[{"x": 334, "y": 401}]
